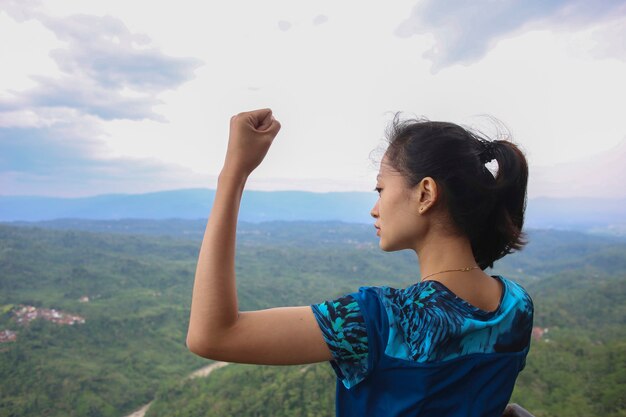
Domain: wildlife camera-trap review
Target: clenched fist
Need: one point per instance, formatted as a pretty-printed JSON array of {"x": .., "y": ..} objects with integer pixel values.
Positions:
[{"x": 251, "y": 134}]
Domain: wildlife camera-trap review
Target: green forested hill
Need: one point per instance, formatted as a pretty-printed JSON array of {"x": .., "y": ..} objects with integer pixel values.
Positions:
[
  {"x": 131, "y": 348},
  {"x": 132, "y": 339}
]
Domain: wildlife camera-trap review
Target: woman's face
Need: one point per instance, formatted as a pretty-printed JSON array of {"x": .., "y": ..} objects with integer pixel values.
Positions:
[{"x": 396, "y": 212}]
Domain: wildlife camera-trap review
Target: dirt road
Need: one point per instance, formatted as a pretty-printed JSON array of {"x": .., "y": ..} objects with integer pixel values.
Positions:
[{"x": 200, "y": 373}]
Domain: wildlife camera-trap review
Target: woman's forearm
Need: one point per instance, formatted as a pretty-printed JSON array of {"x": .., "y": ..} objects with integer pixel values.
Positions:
[{"x": 214, "y": 306}]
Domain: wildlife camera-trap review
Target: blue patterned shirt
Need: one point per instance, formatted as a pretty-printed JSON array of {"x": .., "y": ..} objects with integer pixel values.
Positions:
[{"x": 424, "y": 351}]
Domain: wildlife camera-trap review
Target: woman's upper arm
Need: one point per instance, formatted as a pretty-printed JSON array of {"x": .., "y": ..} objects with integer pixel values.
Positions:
[{"x": 276, "y": 336}]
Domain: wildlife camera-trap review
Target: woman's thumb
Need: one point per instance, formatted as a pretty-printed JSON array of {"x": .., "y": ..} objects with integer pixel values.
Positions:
[{"x": 266, "y": 122}]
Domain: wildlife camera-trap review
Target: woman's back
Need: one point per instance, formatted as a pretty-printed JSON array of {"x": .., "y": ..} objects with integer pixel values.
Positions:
[
  {"x": 425, "y": 351},
  {"x": 477, "y": 288}
]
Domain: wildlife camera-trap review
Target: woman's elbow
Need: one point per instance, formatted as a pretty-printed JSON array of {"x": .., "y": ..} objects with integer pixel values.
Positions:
[{"x": 199, "y": 346}]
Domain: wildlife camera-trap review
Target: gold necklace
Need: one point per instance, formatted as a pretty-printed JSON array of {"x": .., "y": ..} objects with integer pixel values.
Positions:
[{"x": 468, "y": 268}]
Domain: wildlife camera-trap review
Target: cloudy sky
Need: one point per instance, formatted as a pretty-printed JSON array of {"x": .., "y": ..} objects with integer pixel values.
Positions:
[{"x": 133, "y": 97}]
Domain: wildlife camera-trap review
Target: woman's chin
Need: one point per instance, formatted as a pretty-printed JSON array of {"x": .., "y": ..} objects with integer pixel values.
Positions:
[
  {"x": 384, "y": 246},
  {"x": 389, "y": 246}
]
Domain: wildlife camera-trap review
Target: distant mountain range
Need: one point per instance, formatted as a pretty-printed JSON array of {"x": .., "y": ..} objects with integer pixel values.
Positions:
[{"x": 605, "y": 216}]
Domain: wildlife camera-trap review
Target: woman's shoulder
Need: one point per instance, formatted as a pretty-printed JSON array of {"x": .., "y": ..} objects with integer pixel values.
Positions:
[
  {"x": 516, "y": 295},
  {"x": 433, "y": 296}
]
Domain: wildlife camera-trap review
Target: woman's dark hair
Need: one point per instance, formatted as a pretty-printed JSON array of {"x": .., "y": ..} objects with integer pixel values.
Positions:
[{"x": 488, "y": 209}]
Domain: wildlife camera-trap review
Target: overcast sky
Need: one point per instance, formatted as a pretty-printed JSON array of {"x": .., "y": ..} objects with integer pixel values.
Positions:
[{"x": 132, "y": 97}]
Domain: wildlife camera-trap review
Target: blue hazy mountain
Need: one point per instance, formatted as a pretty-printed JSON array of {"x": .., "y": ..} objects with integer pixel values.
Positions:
[
  {"x": 256, "y": 206},
  {"x": 607, "y": 216}
]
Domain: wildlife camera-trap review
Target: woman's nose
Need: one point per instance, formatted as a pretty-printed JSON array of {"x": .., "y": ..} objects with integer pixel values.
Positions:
[{"x": 374, "y": 210}]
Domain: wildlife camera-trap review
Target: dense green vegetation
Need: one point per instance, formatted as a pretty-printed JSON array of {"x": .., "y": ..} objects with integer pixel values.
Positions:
[
  {"x": 252, "y": 391},
  {"x": 133, "y": 338},
  {"x": 131, "y": 348},
  {"x": 579, "y": 366}
]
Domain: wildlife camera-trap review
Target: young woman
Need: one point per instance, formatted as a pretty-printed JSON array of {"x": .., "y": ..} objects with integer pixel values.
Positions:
[{"x": 453, "y": 343}]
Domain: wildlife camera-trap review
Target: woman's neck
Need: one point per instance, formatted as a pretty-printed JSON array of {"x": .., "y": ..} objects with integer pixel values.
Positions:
[{"x": 443, "y": 252}]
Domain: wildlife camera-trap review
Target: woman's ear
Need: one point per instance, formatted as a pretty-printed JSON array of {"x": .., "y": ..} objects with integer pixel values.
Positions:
[{"x": 426, "y": 194}]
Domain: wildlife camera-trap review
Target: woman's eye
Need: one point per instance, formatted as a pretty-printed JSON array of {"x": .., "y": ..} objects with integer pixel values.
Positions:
[{"x": 378, "y": 189}]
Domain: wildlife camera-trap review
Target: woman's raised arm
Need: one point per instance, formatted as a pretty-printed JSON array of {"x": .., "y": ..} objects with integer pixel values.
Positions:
[{"x": 217, "y": 330}]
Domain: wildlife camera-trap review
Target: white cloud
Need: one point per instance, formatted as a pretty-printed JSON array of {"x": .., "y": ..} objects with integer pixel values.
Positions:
[
  {"x": 320, "y": 19},
  {"x": 464, "y": 31},
  {"x": 284, "y": 25},
  {"x": 103, "y": 49},
  {"x": 52, "y": 132},
  {"x": 83, "y": 94},
  {"x": 610, "y": 40},
  {"x": 66, "y": 161},
  {"x": 331, "y": 82},
  {"x": 101, "y": 60}
]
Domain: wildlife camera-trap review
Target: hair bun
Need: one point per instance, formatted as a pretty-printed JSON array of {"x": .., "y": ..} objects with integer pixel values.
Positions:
[{"x": 488, "y": 151}]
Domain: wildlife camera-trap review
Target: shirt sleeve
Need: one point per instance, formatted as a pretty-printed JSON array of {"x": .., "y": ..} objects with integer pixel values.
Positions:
[{"x": 343, "y": 327}]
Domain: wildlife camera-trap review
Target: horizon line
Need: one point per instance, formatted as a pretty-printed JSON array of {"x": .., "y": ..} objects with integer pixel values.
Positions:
[{"x": 267, "y": 191}]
